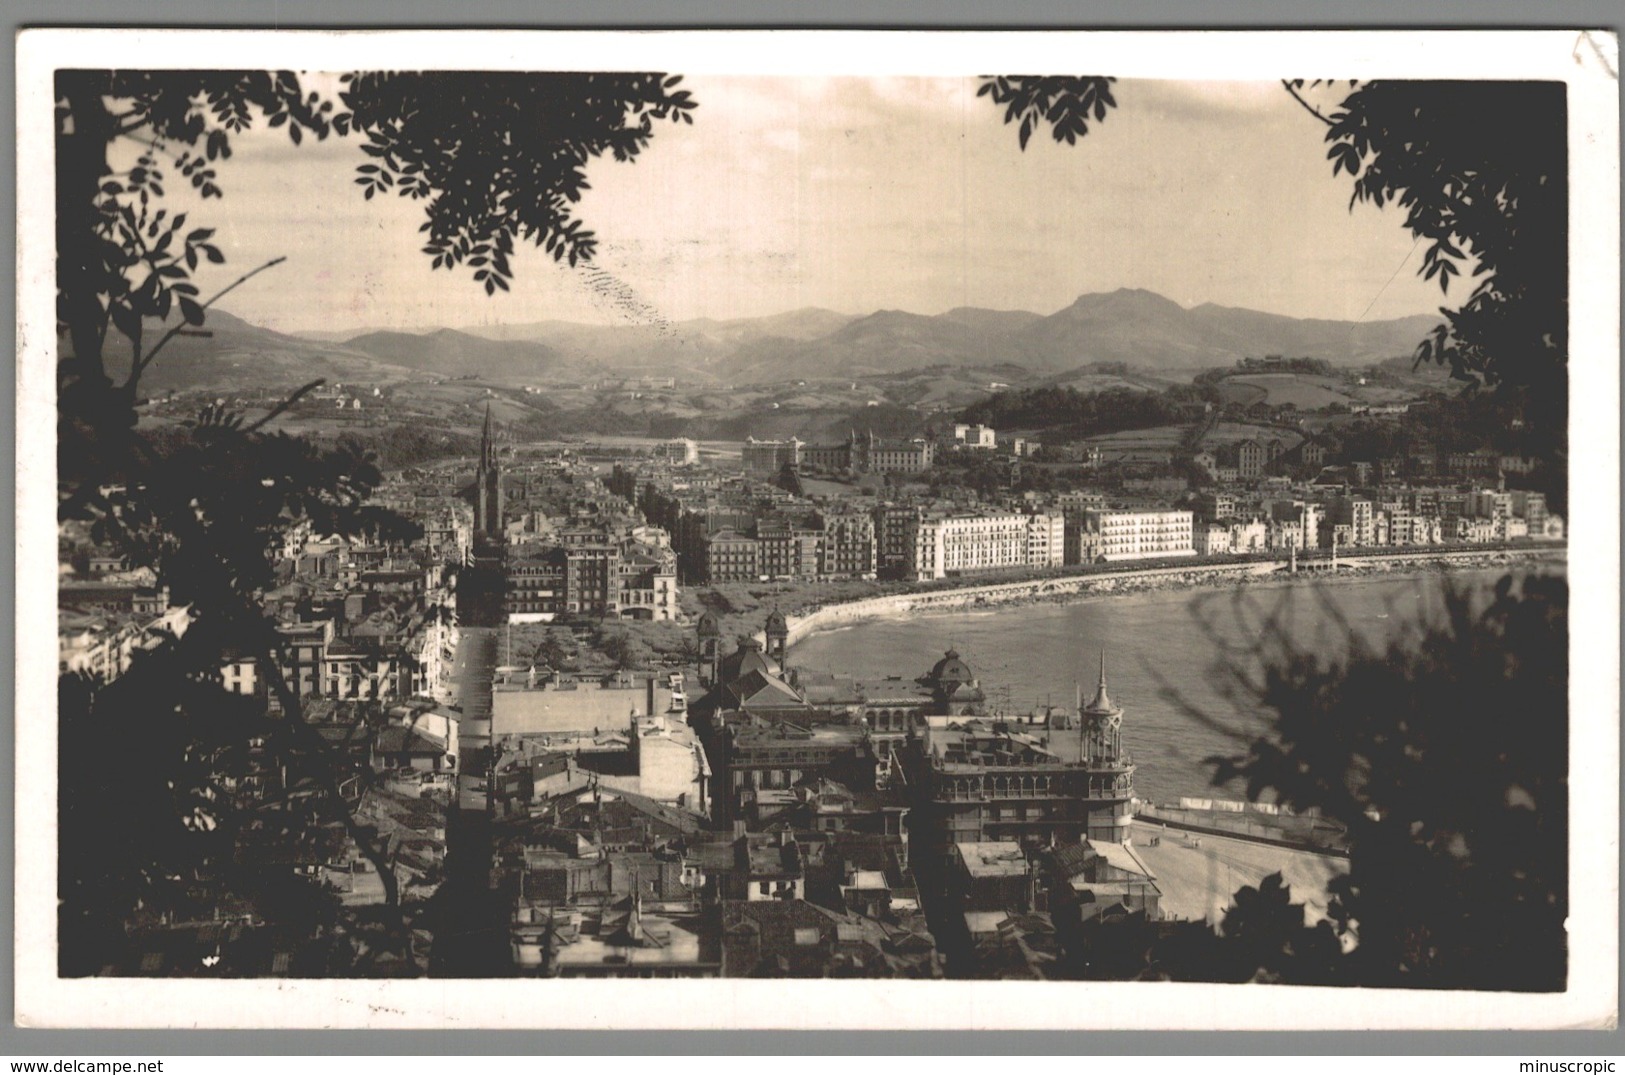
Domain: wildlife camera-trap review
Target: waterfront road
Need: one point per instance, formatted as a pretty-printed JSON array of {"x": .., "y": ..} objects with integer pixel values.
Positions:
[{"x": 1199, "y": 874}]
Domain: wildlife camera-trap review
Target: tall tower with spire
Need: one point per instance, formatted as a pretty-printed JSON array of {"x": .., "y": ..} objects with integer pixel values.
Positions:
[
  {"x": 1102, "y": 723},
  {"x": 1110, "y": 787},
  {"x": 488, "y": 485}
]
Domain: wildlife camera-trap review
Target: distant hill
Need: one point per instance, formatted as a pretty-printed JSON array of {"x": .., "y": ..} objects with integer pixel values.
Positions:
[
  {"x": 889, "y": 341},
  {"x": 805, "y": 324},
  {"x": 340, "y": 335},
  {"x": 449, "y": 352},
  {"x": 1338, "y": 342},
  {"x": 692, "y": 349},
  {"x": 1139, "y": 327},
  {"x": 1143, "y": 328},
  {"x": 992, "y": 321},
  {"x": 228, "y": 352}
]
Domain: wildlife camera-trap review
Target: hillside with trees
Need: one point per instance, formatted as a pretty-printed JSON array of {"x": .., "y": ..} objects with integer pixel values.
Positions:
[{"x": 1077, "y": 413}]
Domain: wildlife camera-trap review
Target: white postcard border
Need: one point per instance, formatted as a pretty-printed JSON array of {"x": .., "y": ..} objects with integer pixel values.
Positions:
[{"x": 1587, "y": 61}]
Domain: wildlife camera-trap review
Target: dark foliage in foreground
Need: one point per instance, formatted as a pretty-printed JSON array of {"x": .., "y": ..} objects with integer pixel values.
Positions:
[
  {"x": 1448, "y": 761},
  {"x": 150, "y": 801}
]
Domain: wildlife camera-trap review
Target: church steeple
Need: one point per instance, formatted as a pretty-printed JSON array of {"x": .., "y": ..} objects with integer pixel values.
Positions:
[
  {"x": 487, "y": 451},
  {"x": 488, "y": 484}
]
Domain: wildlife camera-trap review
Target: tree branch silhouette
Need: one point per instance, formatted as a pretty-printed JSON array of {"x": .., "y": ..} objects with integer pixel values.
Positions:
[
  {"x": 281, "y": 408},
  {"x": 140, "y": 366},
  {"x": 1311, "y": 109}
]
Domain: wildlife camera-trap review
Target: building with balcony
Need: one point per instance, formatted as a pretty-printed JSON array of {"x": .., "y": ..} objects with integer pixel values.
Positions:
[
  {"x": 1060, "y": 779},
  {"x": 730, "y": 556},
  {"x": 1140, "y": 535},
  {"x": 848, "y": 549}
]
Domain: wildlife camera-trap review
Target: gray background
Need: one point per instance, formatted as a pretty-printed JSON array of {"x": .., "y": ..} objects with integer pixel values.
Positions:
[{"x": 862, "y": 14}]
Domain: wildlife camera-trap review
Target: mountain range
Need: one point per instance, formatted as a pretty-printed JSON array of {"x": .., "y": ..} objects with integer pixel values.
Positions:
[
  {"x": 1136, "y": 327},
  {"x": 1140, "y": 328}
]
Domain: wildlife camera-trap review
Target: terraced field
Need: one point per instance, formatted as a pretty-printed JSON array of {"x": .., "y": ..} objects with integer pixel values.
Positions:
[
  {"x": 1306, "y": 392},
  {"x": 1156, "y": 437}
]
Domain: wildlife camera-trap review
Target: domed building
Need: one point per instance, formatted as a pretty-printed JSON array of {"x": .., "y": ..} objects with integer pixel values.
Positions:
[
  {"x": 743, "y": 661},
  {"x": 746, "y": 678},
  {"x": 762, "y": 737},
  {"x": 955, "y": 690}
]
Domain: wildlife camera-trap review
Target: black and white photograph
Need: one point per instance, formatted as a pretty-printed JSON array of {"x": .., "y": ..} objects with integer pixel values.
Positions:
[{"x": 955, "y": 548}]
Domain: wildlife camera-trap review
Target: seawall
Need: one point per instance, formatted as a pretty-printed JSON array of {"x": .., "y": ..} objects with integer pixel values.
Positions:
[
  {"x": 1299, "y": 832},
  {"x": 1130, "y": 579}
]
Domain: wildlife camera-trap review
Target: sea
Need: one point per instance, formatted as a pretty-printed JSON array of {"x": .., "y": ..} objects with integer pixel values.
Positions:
[{"x": 1179, "y": 663}]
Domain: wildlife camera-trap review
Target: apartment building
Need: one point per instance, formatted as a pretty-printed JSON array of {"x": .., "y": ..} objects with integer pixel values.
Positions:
[
  {"x": 1046, "y": 540},
  {"x": 849, "y": 548},
  {"x": 765, "y": 458},
  {"x": 1357, "y": 514},
  {"x": 1139, "y": 535}
]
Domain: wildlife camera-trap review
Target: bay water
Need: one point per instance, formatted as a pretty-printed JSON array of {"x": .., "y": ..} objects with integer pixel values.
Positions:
[{"x": 1176, "y": 661}]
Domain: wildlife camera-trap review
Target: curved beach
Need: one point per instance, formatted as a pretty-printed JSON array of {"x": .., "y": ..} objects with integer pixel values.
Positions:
[{"x": 1132, "y": 579}]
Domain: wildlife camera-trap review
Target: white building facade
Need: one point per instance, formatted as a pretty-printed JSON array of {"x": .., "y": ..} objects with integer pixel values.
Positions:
[{"x": 1142, "y": 535}]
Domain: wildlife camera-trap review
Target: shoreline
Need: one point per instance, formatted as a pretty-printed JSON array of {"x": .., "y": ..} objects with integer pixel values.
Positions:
[
  {"x": 1196, "y": 579},
  {"x": 1133, "y": 581}
]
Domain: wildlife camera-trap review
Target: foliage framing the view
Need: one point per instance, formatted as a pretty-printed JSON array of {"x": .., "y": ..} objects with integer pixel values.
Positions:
[
  {"x": 1449, "y": 763},
  {"x": 1447, "y": 758},
  {"x": 494, "y": 157},
  {"x": 204, "y": 507},
  {"x": 1067, "y": 104},
  {"x": 1480, "y": 170},
  {"x": 515, "y": 167}
]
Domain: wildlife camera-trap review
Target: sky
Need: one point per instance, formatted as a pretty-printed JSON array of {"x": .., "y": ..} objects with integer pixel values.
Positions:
[{"x": 858, "y": 195}]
